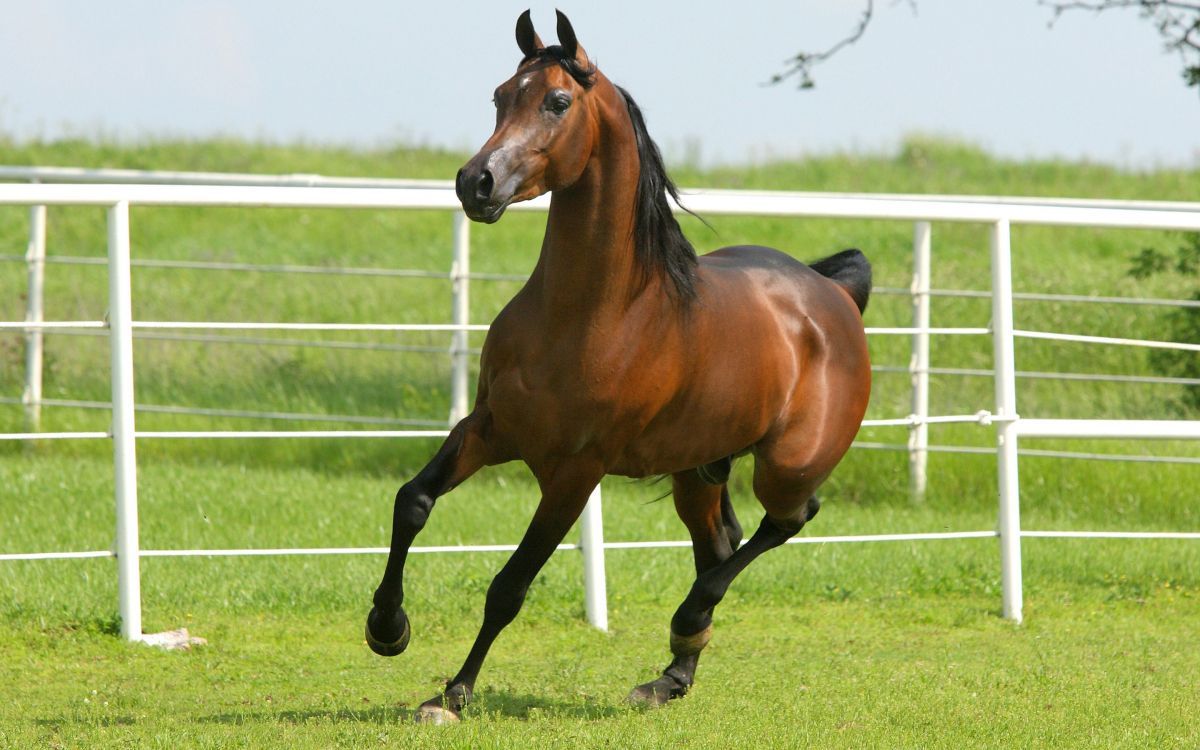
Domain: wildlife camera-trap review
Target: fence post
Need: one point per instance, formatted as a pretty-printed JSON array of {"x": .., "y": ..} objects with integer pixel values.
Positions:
[
  {"x": 591, "y": 542},
  {"x": 918, "y": 367},
  {"x": 35, "y": 260},
  {"x": 1006, "y": 428},
  {"x": 120, "y": 317},
  {"x": 459, "y": 356}
]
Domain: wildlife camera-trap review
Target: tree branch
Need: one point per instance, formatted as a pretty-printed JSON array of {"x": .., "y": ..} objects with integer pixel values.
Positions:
[
  {"x": 801, "y": 63},
  {"x": 1177, "y": 22},
  {"x": 1098, "y": 5}
]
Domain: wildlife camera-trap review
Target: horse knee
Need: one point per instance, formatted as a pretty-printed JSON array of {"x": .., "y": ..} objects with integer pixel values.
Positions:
[{"x": 412, "y": 509}]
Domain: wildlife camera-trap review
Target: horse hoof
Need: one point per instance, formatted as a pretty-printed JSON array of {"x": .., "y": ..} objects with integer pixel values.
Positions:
[
  {"x": 655, "y": 694},
  {"x": 434, "y": 714},
  {"x": 388, "y": 648},
  {"x": 645, "y": 696}
]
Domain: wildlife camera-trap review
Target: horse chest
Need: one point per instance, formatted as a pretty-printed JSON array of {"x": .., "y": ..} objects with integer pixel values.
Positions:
[{"x": 559, "y": 403}]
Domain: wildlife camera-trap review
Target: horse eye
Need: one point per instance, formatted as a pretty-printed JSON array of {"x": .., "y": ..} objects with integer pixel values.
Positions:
[{"x": 557, "y": 102}]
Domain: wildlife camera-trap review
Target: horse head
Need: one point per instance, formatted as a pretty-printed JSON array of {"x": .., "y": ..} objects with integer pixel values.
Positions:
[{"x": 545, "y": 126}]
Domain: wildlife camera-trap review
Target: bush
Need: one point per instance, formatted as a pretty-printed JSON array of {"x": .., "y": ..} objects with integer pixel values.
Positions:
[{"x": 1181, "y": 324}]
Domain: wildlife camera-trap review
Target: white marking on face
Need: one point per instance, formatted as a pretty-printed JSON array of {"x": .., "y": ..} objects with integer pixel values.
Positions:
[{"x": 524, "y": 83}]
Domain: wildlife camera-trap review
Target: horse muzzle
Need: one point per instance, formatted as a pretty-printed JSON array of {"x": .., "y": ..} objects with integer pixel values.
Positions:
[
  {"x": 476, "y": 190},
  {"x": 497, "y": 177}
]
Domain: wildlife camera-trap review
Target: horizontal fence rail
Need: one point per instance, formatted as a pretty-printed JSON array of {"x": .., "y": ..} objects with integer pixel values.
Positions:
[
  {"x": 118, "y": 190},
  {"x": 668, "y": 544},
  {"x": 720, "y": 203},
  {"x": 107, "y": 176}
]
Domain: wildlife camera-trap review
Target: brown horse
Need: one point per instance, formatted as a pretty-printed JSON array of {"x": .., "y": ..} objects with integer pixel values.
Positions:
[{"x": 626, "y": 354}]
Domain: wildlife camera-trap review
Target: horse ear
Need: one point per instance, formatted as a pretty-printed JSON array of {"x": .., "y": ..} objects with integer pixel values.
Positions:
[
  {"x": 566, "y": 37},
  {"x": 527, "y": 38}
]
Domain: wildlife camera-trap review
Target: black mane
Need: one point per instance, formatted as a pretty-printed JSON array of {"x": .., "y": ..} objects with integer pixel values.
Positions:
[{"x": 659, "y": 243}]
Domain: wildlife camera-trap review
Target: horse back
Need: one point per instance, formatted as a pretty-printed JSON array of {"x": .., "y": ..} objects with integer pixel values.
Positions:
[{"x": 767, "y": 267}]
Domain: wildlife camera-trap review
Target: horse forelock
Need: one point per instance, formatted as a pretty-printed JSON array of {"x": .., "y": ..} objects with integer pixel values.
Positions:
[{"x": 584, "y": 75}]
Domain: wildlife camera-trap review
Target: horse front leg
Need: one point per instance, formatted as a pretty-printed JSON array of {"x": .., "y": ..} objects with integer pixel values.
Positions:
[
  {"x": 461, "y": 455},
  {"x": 563, "y": 499}
]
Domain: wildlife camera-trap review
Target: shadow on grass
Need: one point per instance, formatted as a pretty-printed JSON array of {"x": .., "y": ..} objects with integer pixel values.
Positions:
[
  {"x": 492, "y": 703},
  {"x": 101, "y": 721},
  {"x": 525, "y": 706},
  {"x": 372, "y": 715}
]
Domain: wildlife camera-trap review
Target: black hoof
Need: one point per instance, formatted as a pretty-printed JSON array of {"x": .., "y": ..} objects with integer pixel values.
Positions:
[
  {"x": 657, "y": 693},
  {"x": 387, "y": 643},
  {"x": 445, "y": 708}
]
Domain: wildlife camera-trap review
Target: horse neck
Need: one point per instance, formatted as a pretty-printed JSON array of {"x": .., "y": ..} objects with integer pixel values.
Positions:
[{"x": 588, "y": 267}]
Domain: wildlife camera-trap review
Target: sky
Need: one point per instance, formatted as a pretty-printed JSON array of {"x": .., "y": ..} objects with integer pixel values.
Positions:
[{"x": 379, "y": 72}]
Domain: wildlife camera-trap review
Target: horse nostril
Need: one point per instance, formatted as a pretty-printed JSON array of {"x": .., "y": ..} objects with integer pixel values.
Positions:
[
  {"x": 460, "y": 186},
  {"x": 483, "y": 188}
]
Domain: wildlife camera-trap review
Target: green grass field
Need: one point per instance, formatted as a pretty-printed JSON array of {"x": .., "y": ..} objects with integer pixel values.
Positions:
[{"x": 869, "y": 645}]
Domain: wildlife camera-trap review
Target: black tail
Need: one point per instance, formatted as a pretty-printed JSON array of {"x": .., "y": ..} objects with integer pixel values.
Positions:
[{"x": 852, "y": 270}]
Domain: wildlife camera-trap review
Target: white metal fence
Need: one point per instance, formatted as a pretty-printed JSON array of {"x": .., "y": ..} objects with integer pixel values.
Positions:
[{"x": 118, "y": 190}]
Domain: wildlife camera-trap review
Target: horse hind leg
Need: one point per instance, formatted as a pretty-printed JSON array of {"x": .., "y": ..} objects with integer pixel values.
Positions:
[
  {"x": 707, "y": 512},
  {"x": 717, "y": 473},
  {"x": 691, "y": 626},
  {"x": 693, "y": 620},
  {"x": 733, "y": 529}
]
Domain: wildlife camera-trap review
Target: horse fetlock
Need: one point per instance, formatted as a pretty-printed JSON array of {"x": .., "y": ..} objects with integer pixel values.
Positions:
[
  {"x": 457, "y": 696},
  {"x": 388, "y": 635},
  {"x": 690, "y": 645}
]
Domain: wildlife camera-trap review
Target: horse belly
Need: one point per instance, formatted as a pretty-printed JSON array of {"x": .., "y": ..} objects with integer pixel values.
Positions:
[
  {"x": 656, "y": 454},
  {"x": 723, "y": 411}
]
